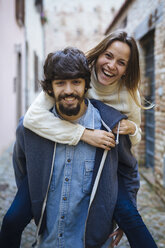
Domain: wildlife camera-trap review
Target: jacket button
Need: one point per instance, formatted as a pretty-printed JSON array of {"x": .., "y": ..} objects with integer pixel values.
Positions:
[
  {"x": 62, "y": 217},
  {"x": 64, "y": 198},
  {"x": 60, "y": 235},
  {"x": 66, "y": 179},
  {"x": 68, "y": 160}
]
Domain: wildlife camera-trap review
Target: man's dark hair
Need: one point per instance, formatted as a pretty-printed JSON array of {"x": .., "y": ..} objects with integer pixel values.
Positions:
[{"x": 69, "y": 63}]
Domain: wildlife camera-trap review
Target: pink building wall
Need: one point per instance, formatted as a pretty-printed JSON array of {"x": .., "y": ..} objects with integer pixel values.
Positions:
[{"x": 12, "y": 40}]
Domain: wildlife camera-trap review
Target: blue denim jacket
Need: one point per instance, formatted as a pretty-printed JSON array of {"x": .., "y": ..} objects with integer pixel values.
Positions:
[{"x": 70, "y": 188}]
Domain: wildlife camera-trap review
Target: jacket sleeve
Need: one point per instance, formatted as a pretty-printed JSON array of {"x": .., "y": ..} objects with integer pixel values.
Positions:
[
  {"x": 19, "y": 160},
  {"x": 42, "y": 122},
  {"x": 128, "y": 167}
]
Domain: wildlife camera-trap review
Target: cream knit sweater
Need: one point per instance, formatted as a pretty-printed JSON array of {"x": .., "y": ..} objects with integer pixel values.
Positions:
[{"x": 44, "y": 123}]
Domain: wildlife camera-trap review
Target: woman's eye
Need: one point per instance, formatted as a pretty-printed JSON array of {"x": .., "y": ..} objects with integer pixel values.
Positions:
[
  {"x": 121, "y": 63},
  {"x": 109, "y": 56}
]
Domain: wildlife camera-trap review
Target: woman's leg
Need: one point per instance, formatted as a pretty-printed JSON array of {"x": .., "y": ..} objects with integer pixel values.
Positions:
[
  {"x": 16, "y": 218},
  {"x": 129, "y": 220}
]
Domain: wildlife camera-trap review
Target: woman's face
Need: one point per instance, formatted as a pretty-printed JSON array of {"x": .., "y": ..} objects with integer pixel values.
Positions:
[{"x": 111, "y": 65}]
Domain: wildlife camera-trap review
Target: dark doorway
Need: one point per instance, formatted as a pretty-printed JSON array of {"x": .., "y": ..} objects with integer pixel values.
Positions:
[{"x": 148, "y": 46}]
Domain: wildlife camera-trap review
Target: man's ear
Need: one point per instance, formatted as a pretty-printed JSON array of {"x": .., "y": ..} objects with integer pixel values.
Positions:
[{"x": 50, "y": 93}]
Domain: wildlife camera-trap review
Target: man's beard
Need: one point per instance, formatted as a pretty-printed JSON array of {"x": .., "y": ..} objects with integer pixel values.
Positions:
[{"x": 69, "y": 110}]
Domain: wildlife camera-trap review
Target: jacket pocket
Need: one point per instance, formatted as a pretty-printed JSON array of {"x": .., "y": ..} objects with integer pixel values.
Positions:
[{"x": 87, "y": 177}]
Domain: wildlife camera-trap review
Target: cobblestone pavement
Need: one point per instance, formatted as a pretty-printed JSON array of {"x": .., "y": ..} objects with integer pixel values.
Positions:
[{"x": 149, "y": 205}]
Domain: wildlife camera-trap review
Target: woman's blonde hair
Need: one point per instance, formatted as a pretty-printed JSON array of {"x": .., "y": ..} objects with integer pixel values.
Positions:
[{"x": 131, "y": 79}]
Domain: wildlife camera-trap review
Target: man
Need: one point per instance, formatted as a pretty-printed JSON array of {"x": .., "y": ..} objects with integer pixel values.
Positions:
[{"x": 73, "y": 190}]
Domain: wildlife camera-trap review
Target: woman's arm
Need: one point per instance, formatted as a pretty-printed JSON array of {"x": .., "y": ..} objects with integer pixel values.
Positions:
[
  {"x": 135, "y": 117},
  {"x": 99, "y": 138},
  {"x": 41, "y": 121},
  {"x": 131, "y": 126}
]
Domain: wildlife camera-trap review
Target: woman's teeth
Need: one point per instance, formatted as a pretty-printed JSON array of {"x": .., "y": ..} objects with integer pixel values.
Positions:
[{"x": 108, "y": 74}]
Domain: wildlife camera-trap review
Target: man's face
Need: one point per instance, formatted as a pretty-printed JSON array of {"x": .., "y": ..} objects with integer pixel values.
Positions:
[{"x": 69, "y": 96}]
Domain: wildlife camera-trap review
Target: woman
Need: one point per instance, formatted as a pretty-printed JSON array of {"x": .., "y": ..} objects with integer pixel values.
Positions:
[{"x": 114, "y": 64}]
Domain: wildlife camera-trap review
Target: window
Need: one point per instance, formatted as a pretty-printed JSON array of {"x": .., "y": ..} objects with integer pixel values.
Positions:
[
  {"x": 20, "y": 12},
  {"x": 39, "y": 5}
]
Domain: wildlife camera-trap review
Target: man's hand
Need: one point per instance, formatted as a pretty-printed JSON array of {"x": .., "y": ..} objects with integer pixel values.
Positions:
[
  {"x": 99, "y": 138},
  {"x": 116, "y": 235}
]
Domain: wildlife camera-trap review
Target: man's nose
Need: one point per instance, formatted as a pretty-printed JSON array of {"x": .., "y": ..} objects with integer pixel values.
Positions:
[{"x": 68, "y": 88}]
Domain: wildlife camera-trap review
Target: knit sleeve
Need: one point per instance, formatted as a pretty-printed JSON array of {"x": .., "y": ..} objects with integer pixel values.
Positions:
[
  {"x": 41, "y": 121},
  {"x": 135, "y": 116}
]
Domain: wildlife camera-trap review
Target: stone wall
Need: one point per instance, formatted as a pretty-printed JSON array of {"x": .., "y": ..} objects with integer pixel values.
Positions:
[{"x": 77, "y": 23}]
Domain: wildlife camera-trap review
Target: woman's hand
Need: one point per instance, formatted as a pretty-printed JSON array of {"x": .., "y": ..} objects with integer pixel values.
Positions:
[
  {"x": 99, "y": 138},
  {"x": 126, "y": 127},
  {"x": 116, "y": 235}
]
